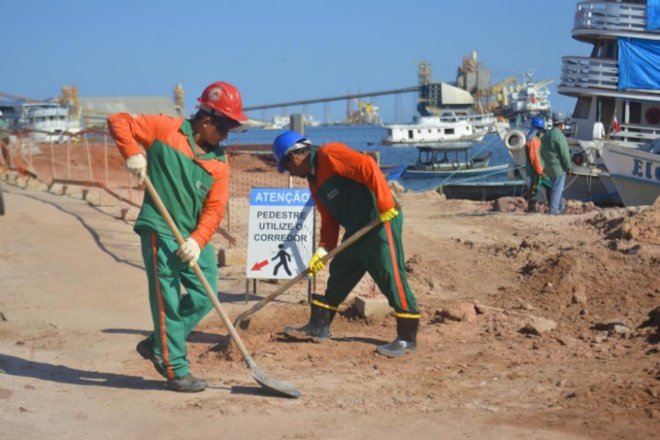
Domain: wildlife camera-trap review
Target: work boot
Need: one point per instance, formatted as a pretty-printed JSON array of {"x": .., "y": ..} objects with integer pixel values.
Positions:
[
  {"x": 186, "y": 384},
  {"x": 146, "y": 349},
  {"x": 406, "y": 340},
  {"x": 531, "y": 206},
  {"x": 318, "y": 327}
]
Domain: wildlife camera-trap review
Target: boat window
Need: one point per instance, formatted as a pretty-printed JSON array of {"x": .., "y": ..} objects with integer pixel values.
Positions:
[
  {"x": 582, "y": 108},
  {"x": 635, "y": 112},
  {"x": 605, "y": 49},
  {"x": 605, "y": 111},
  {"x": 449, "y": 131}
]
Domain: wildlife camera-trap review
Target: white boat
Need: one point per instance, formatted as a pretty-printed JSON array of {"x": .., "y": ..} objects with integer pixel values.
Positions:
[
  {"x": 281, "y": 122},
  {"x": 635, "y": 172},
  {"x": 618, "y": 100},
  {"x": 44, "y": 121},
  {"x": 433, "y": 129}
]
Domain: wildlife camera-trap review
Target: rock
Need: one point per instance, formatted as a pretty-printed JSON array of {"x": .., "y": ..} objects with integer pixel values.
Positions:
[
  {"x": 21, "y": 181},
  {"x": 460, "y": 312},
  {"x": 619, "y": 329},
  {"x": 35, "y": 185},
  {"x": 579, "y": 296},
  {"x": 510, "y": 204},
  {"x": 75, "y": 192},
  {"x": 370, "y": 307},
  {"x": 57, "y": 189},
  {"x": 538, "y": 325}
]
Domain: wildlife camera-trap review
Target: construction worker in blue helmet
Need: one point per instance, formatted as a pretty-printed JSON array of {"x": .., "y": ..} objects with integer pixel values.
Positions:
[
  {"x": 534, "y": 163},
  {"x": 351, "y": 191}
]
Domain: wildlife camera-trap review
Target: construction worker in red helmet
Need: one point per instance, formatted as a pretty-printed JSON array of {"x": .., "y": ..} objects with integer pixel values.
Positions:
[
  {"x": 187, "y": 166},
  {"x": 350, "y": 191}
]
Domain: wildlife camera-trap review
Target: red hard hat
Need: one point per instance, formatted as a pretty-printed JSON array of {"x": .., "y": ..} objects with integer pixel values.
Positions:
[{"x": 223, "y": 98}]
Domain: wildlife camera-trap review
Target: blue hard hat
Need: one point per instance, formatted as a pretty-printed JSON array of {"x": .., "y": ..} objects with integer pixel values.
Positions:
[
  {"x": 286, "y": 143},
  {"x": 538, "y": 122}
]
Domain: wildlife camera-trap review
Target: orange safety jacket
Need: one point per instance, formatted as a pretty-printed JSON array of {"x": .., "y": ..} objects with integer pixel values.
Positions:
[
  {"x": 349, "y": 190},
  {"x": 533, "y": 154},
  {"x": 193, "y": 185}
]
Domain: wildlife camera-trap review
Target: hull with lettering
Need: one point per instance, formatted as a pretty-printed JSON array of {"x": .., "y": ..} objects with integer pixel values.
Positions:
[{"x": 635, "y": 172}]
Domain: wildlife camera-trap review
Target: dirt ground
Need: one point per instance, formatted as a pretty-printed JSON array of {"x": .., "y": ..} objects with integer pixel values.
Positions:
[{"x": 533, "y": 327}]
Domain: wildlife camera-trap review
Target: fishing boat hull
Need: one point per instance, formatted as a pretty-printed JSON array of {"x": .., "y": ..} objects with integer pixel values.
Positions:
[
  {"x": 412, "y": 172},
  {"x": 635, "y": 173},
  {"x": 483, "y": 191}
]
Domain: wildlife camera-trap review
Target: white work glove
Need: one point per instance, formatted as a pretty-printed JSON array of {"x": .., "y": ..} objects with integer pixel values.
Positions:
[
  {"x": 137, "y": 165},
  {"x": 189, "y": 252},
  {"x": 315, "y": 264}
]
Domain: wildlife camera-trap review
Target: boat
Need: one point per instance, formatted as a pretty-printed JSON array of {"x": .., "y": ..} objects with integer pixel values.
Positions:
[
  {"x": 527, "y": 99},
  {"x": 483, "y": 190},
  {"x": 634, "y": 171},
  {"x": 433, "y": 130},
  {"x": 450, "y": 160},
  {"x": 393, "y": 172},
  {"x": 44, "y": 121}
]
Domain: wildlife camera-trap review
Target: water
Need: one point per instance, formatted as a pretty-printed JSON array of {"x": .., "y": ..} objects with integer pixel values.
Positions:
[{"x": 369, "y": 138}]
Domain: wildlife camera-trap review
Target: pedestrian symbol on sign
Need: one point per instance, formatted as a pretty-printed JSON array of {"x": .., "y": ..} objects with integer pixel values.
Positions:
[{"x": 284, "y": 258}]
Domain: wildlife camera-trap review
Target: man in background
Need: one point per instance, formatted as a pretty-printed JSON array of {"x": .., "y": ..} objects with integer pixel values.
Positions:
[
  {"x": 534, "y": 163},
  {"x": 557, "y": 162}
]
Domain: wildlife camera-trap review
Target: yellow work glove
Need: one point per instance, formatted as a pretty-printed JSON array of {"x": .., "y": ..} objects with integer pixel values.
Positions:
[
  {"x": 388, "y": 215},
  {"x": 316, "y": 263}
]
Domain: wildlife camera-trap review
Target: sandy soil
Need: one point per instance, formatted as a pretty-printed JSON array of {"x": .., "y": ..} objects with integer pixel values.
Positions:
[{"x": 73, "y": 302}]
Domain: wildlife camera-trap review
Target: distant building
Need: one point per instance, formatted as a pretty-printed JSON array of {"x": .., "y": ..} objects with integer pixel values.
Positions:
[{"x": 93, "y": 112}]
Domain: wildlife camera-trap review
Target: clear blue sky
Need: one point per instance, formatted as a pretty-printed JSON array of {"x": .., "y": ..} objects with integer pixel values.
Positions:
[{"x": 275, "y": 51}]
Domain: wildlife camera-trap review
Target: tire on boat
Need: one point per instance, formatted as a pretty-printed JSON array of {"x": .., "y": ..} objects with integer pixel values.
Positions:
[{"x": 515, "y": 140}]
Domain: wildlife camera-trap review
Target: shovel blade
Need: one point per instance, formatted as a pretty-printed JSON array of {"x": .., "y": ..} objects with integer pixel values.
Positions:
[
  {"x": 243, "y": 324},
  {"x": 277, "y": 387}
]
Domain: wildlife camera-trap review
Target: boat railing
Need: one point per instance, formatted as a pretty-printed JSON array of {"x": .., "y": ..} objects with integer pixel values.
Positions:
[
  {"x": 478, "y": 119},
  {"x": 588, "y": 72},
  {"x": 636, "y": 133},
  {"x": 609, "y": 18}
]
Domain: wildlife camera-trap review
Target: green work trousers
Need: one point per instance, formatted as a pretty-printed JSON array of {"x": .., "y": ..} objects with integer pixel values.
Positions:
[
  {"x": 175, "y": 314},
  {"x": 380, "y": 253}
]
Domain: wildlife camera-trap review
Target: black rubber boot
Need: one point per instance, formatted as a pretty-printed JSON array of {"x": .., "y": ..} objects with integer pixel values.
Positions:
[
  {"x": 406, "y": 340},
  {"x": 531, "y": 206},
  {"x": 186, "y": 384},
  {"x": 146, "y": 349},
  {"x": 318, "y": 327}
]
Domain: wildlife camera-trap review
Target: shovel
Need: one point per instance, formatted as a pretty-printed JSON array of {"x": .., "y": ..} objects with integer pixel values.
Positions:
[
  {"x": 275, "y": 386},
  {"x": 242, "y": 320}
]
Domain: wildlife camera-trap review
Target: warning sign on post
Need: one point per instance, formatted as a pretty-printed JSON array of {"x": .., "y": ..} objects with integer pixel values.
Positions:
[{"x": 281, "y": 228}]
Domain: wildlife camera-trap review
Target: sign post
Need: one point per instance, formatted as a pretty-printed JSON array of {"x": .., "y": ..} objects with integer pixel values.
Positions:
[{"x": 280, "y": 232}]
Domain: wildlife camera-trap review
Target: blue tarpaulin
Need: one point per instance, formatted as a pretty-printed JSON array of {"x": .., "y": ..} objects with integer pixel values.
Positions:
[
  {"x": 652, "y": 15},
  {"x": 639, "y": 64}
]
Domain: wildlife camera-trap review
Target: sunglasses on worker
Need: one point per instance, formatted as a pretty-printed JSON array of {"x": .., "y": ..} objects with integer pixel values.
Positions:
[{"x": 225, "y": 125}]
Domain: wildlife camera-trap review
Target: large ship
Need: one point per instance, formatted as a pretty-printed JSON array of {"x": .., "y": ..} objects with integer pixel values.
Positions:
[{"x": 43, "y": 121}]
